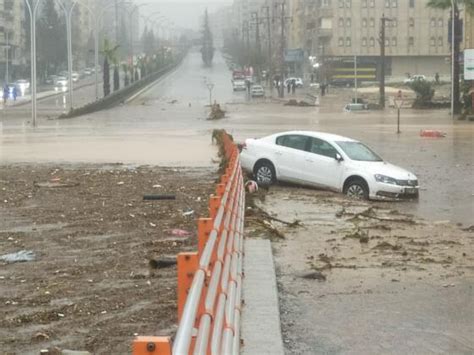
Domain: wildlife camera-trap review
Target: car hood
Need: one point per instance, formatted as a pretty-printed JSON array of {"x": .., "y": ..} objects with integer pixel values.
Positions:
[{"x": 385, "y": 168}]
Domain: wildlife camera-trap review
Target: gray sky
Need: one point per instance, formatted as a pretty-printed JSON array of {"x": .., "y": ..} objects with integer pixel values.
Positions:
[{"x": 184, "y": 13}]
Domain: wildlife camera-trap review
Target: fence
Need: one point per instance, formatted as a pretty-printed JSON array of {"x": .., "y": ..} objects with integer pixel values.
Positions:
[{"x": 210, "y": 280}]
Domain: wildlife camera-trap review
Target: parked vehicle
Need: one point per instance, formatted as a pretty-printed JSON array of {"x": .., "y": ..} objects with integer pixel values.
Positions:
[
  {"x": 22, "y": 85},
  {"x": 239, "y": 85},
  {"x": 75, "y": 77},
  {"x": 326, "y": 161},
  {"x": 88, "y": 71},
  {"x": 257, "y": 91},
  {"x": 299, "y": 82},
  {"x": 414, "y": 78},
  {"x": 61, "y": 84},
  {"x": 50, "y": 80}
]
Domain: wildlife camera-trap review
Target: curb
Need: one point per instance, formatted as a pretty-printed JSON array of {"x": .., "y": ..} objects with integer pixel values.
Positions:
[{"x": 261, "y": 327}]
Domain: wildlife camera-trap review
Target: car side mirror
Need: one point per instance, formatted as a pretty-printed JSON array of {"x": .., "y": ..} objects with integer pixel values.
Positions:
[{"x": 338, "y": 157}]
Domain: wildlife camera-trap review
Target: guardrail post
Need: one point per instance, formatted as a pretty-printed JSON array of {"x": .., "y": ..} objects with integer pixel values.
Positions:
[
  {"x": 188, "y": 263},
  {"x": 204, "y": 229},
  {"x": 220, "y": 189},
  {"x": 151, "y": 346},
  {"x": 214, "y": 204}
]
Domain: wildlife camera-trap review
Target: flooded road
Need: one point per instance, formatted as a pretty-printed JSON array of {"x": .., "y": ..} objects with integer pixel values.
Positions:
[{"x": 166, "y": 125}]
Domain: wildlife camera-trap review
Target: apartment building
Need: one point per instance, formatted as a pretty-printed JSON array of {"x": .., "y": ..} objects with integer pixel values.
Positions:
[
  {"x": 416, "y": 40},
  {"x": 12, "y": 38}
]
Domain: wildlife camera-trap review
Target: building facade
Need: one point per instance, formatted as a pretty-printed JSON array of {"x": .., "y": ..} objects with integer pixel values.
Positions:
[
  {"x": 416, "y": 37},
  {"x": 12, "y": 39}
]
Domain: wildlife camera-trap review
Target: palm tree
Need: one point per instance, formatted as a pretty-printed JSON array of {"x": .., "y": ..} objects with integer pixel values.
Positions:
[
  {"x": 444, "y": 5},
  {"x": 110, "y": 56}
]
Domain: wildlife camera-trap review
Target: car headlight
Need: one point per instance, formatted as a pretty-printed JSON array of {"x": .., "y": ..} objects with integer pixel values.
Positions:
[{"x": 385, "y": 179}]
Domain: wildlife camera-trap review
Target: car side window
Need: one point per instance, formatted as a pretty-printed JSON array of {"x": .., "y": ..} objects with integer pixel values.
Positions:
[
  {"x": 293, "y": 141},
  {"x": 320, "y": 147}
]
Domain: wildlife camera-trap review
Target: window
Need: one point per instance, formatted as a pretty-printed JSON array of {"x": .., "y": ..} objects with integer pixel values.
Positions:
[
  {"x": 341, "y": 22},
  {"x": 320, "y": 147},
  {"x": 326, "y": 3},
  {"x": 432, "y": 41},
  {"x": 440, "y": 22},
  {"x": 372, "y": 3},
  {"x": 340, "y": 42},
  {"x": 358, "y": 151},
  {"x": 372, "y": 22},
  {"x": 372, "y": 42},
  {"x": 411, "y": 22},
  {"x": 341, "y": 3},
  {"x": 440, "y": 41},
  {"x": 394, "y": 22},
  {"x": 348, "y": 22},
  {"x": 411, "y": 41},
  {"x": 348, "y": 3},
  {"x": 394, "y": 41},
  {"x": 394, "y": 3},
  {"x": 348, "y": 42},
  {"x": 387, "y": 42},
  {"x": 364, "y": 3},
  {"x": 364, "y": 22},
  {"x": 433, "y": 22},
  {"x": 412, "y": 3},
  {"x": 293, "y": 141},
  {"x": 387, "y": 3},
  {"x": 364, "y": 42}
]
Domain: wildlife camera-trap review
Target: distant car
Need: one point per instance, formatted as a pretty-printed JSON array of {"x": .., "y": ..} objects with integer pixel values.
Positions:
[
  {"x": 328, "y": 161},
  {"x": 239, "y": 85},
  {"x": 257, "y": 91},
  {"x": 299, "y": 82},
  {"x": 61, "y": 84},
  {"x": 22, "y": 85},
  {"x": 88, "y": 71},
  {"x": 414, "y": 78},
  {"x": 50, "y": 80},
  {"x": 11, "y": 90},
  {"x": 75, "y": 77}
]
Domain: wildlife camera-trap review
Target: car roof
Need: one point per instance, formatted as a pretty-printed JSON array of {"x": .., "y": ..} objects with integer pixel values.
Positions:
[{"x": 320, "y": 135}]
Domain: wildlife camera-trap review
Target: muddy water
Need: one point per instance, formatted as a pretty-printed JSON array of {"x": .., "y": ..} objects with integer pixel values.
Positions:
[{"x": 166, "y": 126}]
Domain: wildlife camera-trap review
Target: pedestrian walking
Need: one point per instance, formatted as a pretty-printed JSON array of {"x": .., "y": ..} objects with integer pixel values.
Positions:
[
  {"x": 437, "y": 78},
  {"x": 288, "y": 86},
  {"x": 323, "y": 89},
  {"x": 5, "y": 94},
  {"x": 293, "y": 86},
  {"x": 15, "y": 93},
  {"x": 312, "y": 78}
]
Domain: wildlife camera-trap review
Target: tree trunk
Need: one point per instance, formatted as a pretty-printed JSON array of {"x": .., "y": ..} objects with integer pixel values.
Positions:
[
  {"x": 116, "y": 79},
  {"x": 106, "y": 77}
]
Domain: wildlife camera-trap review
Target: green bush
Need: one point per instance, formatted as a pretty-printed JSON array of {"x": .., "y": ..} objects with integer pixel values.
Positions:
[{"x": 424, "y": 92}]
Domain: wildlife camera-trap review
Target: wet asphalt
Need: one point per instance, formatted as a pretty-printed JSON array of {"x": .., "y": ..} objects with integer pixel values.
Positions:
[{"x": 166, "y": 125}]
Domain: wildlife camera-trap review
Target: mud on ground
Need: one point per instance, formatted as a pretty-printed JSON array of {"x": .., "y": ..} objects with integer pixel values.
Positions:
[
  {"x": 90, "y": 286},
  {"x": 360, "y": 277}
]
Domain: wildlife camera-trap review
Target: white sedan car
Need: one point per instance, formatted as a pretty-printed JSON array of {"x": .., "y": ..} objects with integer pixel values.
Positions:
[{"x": 326, "y": 161}]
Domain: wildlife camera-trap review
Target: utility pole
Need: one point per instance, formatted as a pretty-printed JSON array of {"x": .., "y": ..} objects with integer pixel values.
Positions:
[
  {"x": 383, "y": 20},
  {"x": 269, "y": 34},
  {"x": 283, "y": 20},
  {"x": 258, "y": 44},
  {"x": 246, "y": 37}
]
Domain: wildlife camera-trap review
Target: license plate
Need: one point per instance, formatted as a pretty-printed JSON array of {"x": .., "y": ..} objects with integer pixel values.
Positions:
[{"x": 410, "y": 190}]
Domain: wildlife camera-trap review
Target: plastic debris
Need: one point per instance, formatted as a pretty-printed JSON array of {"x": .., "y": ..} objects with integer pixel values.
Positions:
[
  {"x": 188, "y": 213},
  {"x": 251, "y": 186},
  {"x": 179, "y": 232},
  {"x": 432, "y": 133},
  {"x": 18, "y": 257}
]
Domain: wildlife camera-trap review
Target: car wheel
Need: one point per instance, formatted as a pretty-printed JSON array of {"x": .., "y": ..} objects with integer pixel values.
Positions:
[
  {"x": 357, "y": 189},
  {"x": 264, "y": 173}
]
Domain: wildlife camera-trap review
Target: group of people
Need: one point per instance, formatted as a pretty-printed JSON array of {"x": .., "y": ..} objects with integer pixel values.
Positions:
[{"x": 6, "y": 93}]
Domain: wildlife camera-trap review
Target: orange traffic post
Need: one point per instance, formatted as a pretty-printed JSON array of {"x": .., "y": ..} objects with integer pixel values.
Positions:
[
  {"x": 188, "y": 263},
  {"x": 143, "y": 345}
]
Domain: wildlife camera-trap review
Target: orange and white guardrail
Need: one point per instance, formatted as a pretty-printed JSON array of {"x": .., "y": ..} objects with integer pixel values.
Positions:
[{"x": 210, "y": 280}]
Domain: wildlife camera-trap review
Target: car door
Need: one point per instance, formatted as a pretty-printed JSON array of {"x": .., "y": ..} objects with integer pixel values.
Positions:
[
  {"x": 290, "y": 153},
  {"x": 322, "y": 167}
]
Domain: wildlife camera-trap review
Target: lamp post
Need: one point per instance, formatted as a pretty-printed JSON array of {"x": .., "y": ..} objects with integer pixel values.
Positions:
[
  {"x": 33, "y": 9},
  {"x": 453, "y": 38}
]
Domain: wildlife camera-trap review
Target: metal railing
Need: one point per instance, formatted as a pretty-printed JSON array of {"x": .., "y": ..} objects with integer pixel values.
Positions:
[{"x": 210, "y": 280}]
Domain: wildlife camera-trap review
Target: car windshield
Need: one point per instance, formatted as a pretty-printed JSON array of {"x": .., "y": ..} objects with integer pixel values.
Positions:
[{"x": 358, "y": 151}]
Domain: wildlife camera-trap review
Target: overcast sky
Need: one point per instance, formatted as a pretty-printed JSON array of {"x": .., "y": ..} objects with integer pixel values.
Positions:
[{"x": 184, "y": 13}]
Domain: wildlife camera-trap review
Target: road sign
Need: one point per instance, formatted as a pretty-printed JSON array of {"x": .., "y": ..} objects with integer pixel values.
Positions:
[
  {"x": 398, "y": 103},
  {"x": 469, "y": 64}
]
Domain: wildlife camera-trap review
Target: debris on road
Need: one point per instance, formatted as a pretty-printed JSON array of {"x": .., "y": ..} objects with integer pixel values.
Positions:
[
  {"x": 161, "y": 263},
  {"x": 216, "y": 112},
  {"x": 432, "y": 133},
  {"x": 19, "y": 256},
  {"x": 179, "y": 233}
]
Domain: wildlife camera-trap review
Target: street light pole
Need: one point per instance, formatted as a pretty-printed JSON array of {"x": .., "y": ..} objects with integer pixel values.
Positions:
[
  {"x": 7, "y": 47},
  {"x": 453, "y": 38},
  {"x": 32, "y": 9}
]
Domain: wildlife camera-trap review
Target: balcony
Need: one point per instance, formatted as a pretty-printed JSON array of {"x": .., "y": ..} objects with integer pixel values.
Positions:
[
  {"x": 325, "y": 12},
  {"x": 325, "y": 32}
]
